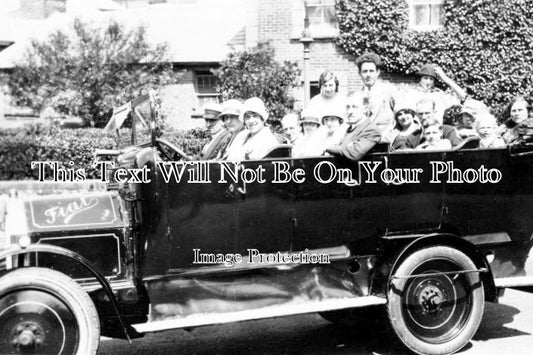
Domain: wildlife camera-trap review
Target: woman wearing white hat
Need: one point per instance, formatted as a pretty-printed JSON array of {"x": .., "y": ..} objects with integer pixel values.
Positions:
[
  {"x": 258, "y": 139},
  {"x": 231, "y": 115},
  {"x": 310, "y": 144},
  {"x": 334, "y": 127}
]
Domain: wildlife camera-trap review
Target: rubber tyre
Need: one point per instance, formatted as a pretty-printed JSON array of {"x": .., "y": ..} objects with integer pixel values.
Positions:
[
  {"x": 435, "y": 314},
  {"x": 58, "y": 289}
]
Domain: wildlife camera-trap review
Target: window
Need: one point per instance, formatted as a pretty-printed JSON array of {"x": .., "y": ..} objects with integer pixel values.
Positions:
[
  {"x": 322, "y": 18},
  {"x": 313, "y": 89},
  {"x": 206, "y": 88},
  {"x": 426, "y": 15},
  {"x": 322, "y": 15}
]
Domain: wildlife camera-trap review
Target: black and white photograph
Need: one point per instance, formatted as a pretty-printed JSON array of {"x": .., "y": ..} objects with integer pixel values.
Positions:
[{"x": 266, "y": 177}]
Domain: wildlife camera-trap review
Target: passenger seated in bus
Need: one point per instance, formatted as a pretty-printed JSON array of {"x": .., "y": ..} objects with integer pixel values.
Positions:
[
  {"x": 486, "y": 130},
  {"x": 362, "y": 135},
  {"x": 452, "y": 115},
  {"x": 429, "y": 74},
  {"x": 290, "y": 123},
  {"x": 220, "y": 136},
  {"x": 309, "y": 145},
  {"x": 231, "y": 115},
  {"x": 406, "y": 131},
  {"x": 258, "y": 139},
  {"x": 433, "y": 136},
  {"x": 309, "y": 122},
  {"x": 516, "y": 113},
  {"x": 470, "y": 111},
  {"x": 425, "y": 110},
  {"x": 379, "y": 97},
  {"x": 329, "y": 97},
  {"x": 333, "y": 128}
]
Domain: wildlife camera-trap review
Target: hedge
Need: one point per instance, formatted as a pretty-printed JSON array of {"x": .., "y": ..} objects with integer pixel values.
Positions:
[
  {"x": 486, "y": 46},
  {"x": 19, "y": 147}
]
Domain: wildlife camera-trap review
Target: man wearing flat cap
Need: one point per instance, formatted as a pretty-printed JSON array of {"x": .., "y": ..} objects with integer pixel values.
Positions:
[{"x": 215, "y": 127}]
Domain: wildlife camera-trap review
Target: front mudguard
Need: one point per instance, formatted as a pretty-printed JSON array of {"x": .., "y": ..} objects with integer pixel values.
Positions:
[{"x": 56, "y": 250}]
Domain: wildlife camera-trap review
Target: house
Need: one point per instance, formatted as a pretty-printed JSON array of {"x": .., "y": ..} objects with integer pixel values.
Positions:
[{"x": 200, "y": 34}]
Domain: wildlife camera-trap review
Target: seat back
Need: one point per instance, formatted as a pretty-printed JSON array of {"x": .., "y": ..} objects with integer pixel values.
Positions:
[
  {"x": 279, "y": 151},
  {"x": 468, "y": 143}
]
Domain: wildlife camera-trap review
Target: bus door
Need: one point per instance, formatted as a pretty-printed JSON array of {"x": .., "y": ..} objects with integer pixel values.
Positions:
[{"x": 416, "y": 202}]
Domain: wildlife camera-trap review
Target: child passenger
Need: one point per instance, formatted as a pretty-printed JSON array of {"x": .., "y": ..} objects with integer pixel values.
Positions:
[
  {"x": 433, "y": 137},
  {"x": 486, "y": 129}
]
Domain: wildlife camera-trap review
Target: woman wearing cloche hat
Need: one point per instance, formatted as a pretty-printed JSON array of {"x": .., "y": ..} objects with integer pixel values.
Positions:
[
  {"x": 428, "y": 73},
  {"x": 258, "y": 139}
]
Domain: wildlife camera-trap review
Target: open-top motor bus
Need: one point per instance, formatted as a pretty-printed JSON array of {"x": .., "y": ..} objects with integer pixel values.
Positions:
[{"x": 424, "y": 237}]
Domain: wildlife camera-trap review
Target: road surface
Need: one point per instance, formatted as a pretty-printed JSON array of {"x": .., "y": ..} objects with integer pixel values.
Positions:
[{"x": 507, "y": 328}]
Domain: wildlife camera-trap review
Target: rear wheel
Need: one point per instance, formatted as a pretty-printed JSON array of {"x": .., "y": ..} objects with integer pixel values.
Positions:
[
  {"x": 42, "y": 311},
  {"x": 435, "y": 313}
]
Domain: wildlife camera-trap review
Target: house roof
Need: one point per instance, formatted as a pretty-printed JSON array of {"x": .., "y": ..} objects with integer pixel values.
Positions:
[
  {"x": 194, "y": 34},
  {"x": 7, "y": 33}
]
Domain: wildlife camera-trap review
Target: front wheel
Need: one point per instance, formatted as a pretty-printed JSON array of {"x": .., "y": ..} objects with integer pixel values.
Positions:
[
  {"x": 432, "y": 309},
  {"x": 42, "y": 311}
]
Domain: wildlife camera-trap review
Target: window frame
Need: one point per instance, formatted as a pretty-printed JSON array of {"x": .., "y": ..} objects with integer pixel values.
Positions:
[
  {"x": 205, "y": 96},
  {"x": 318, "y": 31},
  {"x": 412, "y": 14}
]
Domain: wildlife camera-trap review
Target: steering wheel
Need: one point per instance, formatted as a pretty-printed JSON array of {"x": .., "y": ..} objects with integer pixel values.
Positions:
[{"x": 169, "y": 150}]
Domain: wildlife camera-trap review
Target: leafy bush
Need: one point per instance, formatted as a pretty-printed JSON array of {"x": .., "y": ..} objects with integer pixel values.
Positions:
[
  {"x": 191, "y": 142},
  {"x": 88, "y": 70},
  {"x": 486, "y": 46},
  {"x": 19, "y": 147},
  {"x": 254, "y": 72}
]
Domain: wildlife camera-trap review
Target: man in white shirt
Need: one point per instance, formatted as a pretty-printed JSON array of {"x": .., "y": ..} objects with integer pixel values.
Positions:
[{"x": 378, "y": 97}]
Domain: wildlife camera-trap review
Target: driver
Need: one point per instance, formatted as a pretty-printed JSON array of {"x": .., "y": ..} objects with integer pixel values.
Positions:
[{"x": 220, "y": 136}]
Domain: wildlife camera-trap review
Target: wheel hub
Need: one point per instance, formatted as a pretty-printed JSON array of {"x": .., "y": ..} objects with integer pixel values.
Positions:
[
  {"x": 431, "y": 296},
  {"x": 437, "y": 307},
  {"x": 27, "y": 336},
  {"x": 36, "y": 322}
]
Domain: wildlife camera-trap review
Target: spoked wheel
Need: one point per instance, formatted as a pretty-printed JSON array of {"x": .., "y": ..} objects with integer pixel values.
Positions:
[
  {"x": 437, "y": 311},
  {"x": 45, "y": 312}
]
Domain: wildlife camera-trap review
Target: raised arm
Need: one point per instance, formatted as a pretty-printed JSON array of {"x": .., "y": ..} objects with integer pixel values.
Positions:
[{"x": 459, "y": 91}]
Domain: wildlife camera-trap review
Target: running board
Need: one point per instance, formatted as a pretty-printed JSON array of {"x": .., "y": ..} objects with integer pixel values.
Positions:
[
  {"x": 519, "y": 281},
  {"x": 202, "y": 319}
]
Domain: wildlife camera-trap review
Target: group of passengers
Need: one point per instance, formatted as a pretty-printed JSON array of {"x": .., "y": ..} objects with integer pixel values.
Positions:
[
  {"x": 424, "y": 118},
  {"x": 238, "y": 131}
]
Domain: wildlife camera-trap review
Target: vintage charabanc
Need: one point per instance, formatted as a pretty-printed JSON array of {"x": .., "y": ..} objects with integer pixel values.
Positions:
[{"x": 424, "y": 237}]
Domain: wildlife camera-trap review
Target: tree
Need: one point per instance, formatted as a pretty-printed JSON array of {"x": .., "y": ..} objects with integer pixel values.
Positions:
[
  {"x": 88, "y": 69},
  {"x": 254, "y": 72}
]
